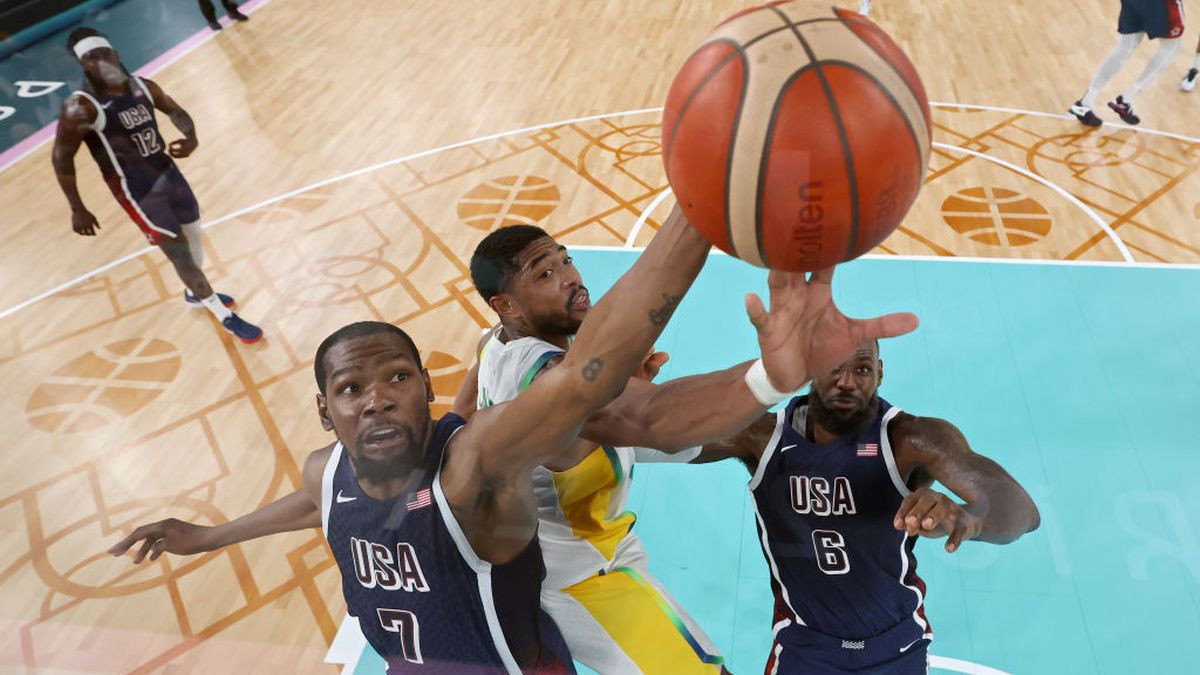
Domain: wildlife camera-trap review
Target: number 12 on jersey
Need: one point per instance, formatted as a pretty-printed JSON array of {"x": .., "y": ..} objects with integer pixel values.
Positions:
[
  {"x": 830, "y": 548},
  {"x": 404, "y": 623}
]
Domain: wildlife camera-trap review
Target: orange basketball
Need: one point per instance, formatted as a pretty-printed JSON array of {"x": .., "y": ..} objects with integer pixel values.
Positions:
[{"x": 796, "y": 136}]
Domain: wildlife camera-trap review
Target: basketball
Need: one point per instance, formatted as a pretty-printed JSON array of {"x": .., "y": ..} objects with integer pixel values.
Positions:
[{"x": 796, "y": 136}]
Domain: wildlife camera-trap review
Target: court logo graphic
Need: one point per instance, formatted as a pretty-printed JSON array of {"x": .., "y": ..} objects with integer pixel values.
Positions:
[
  {"x": 996, "y": 216},
  {"x": 101, "y": 386},
  {"x": 508, "y": 200}
]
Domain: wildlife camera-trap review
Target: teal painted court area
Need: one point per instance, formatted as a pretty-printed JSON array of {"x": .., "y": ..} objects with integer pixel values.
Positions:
[{"x": 1081, "y": 381}]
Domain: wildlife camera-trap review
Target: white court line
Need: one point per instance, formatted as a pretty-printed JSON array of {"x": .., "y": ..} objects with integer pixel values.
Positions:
[
  {"x": 357, "y": 172},
  {"x": 1120, "y": 245},
  {"x": 1066, "y": 195},
  {"x": 1038, "y": 113},
  {"x": 947, "y": 259},
  {"x": 637, "y": 225}
]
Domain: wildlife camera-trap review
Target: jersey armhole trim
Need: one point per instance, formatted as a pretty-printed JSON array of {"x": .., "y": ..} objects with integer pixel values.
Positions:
[
  {"x": 482, "y": 569},
  {"x": 885, "y": 445},
  {"x": 536, "y": 368},
  {"x": 479, "y": 565},
  {"x": 145, "y": 90},
  {"x": 768, "y": 452},
  {"x": 97, "y": 125},
  {"x": 327, "y": 475}
]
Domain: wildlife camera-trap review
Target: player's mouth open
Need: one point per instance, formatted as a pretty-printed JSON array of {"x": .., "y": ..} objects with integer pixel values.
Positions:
[
  {"x": 381, "y": 436},
  {"x": 580, "y": 300}
]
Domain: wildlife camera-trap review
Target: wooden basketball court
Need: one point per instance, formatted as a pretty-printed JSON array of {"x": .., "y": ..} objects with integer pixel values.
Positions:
[{"x": 351, "y": 156}]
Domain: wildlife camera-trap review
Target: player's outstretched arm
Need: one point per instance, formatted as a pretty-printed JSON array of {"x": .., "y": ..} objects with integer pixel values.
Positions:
[
  {"x": 612, "y": 341},
  {"x": 74, "y": 120},
  {"x": 300, "y": 510},
  {"x": 179, "y": 117},
  {"x": 996, "y": 509},
  {"x": 804, "y": 332}
]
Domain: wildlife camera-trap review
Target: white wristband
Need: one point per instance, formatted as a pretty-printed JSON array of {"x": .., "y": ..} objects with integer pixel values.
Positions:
[{"x": 760, "y": 385}]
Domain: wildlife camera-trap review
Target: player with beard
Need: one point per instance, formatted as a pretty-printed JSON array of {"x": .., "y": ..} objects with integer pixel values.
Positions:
[
  {"x": 433, "y": 524},
  {"x": 615, "y": 616},
  {"x": 842, "y": 487}
]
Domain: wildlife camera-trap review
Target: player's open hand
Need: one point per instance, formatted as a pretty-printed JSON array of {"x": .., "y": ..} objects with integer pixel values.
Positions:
[
  {"x": 930, "y": 513},
  {"x": 84, "y": 223},
  {"x": 165, "y": 536},
  {"x": 805, "y": 334},
  {"x": 182, "y": 147}
]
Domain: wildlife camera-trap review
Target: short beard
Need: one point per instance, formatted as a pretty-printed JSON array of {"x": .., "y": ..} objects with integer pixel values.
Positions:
[
  {"x": 380, "y": 471},
  {"x": 839, "y": 423},
  {"x": 557, "y": 327}
]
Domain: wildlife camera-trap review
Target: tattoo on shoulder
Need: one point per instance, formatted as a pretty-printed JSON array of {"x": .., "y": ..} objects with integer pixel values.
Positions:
[
  {"x": 661, "y": 315},
  {"x": 591, "y": 370}
]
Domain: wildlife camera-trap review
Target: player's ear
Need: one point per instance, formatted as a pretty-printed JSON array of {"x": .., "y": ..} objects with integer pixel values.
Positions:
[
  {"x": 502, "y": 304},
  {"x": 429, "y": 395},
  {"x": 878, "y": 372},
  {"x": 323, "y": 413}
]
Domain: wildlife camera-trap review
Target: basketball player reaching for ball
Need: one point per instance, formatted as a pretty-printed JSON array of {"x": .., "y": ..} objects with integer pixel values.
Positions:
[
  {"x": 1138, "y": 19},
  {"x": 1188, "y": 82},
  {"x": 433, "y": 524},
  {"x": 114, "y": 114},
  {"x": 842, "y": 487},
  {"x": 614, "y": 615}
]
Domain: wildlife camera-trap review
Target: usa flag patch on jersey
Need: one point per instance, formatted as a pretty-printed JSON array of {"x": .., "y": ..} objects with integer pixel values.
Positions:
[
  {"x": 419, "y": 500},
  {"x": 868, "y": 449}
]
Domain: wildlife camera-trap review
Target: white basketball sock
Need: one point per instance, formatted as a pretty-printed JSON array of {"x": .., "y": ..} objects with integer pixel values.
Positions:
[
  {"x": 1155, "y": 65},
  {"x": 1196, "y": 61},
  {"x": 1126, "y": 43},
  {"x": 218, "y": 308}
]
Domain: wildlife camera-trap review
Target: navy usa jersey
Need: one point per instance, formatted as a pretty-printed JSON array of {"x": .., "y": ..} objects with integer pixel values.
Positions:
[
  {"x": 125, "y": 140},
  {"x": 841, "y": 574},
  {"x": 422, "y": 598}
]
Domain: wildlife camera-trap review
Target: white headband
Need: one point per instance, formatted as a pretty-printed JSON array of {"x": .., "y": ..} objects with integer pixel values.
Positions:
[{"x": 89, "y": 43}]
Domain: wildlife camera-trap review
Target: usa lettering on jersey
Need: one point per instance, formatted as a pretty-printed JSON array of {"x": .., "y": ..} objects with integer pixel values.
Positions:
[
  {"x": 814, "y": 495},
  {"x": 375, "y": 566},
  {"x": 132, "y": 117}
]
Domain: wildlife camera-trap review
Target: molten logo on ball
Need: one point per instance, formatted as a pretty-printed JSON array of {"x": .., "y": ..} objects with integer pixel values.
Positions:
[{"x": 796, "y": 136}]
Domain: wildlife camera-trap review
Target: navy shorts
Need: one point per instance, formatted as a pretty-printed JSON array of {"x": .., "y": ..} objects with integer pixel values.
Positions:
[
  {"x": 161, "y": 211},
  {"x": 902, "y": 650},
  {"x": 1155, "y": 18}
]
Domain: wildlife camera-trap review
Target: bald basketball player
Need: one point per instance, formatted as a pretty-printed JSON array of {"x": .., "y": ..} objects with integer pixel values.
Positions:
[
  {"x": 434, "y": 524},
  {"x": 842, "y": 485},
  {"x": 114, "y": 114}
]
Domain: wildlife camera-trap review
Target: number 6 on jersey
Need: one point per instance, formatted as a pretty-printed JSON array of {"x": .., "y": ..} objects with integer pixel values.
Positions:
[{"x": 831, "y": 551}]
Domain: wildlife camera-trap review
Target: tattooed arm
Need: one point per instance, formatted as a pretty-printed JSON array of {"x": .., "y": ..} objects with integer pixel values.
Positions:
[{"x": 613, "y": 340}]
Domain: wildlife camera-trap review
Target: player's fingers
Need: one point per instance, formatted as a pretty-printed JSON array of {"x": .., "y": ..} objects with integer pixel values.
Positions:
[
  {"x": 886, "y": 326},
  {"x": 123, "y": 545},
  {"x": 912, "y": 522},
  {"x": 905, "y": 506},
  {"x": 940, "y": 513},
  {"x": 158, "y": 549},
  {"x": 755, "y": 311},
  {"x": 961, "y": 529},
  {"x": 141, "y": 554}
]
